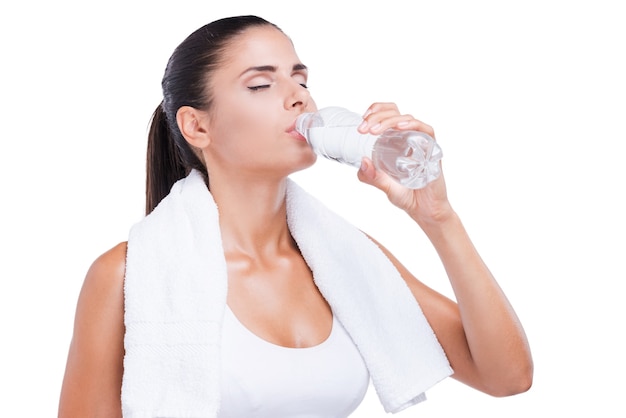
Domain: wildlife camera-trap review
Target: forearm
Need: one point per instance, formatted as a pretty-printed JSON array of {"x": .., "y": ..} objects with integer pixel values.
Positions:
[
  {"x": 495, "y": 337},
  {"x": 482, "y": 334}
]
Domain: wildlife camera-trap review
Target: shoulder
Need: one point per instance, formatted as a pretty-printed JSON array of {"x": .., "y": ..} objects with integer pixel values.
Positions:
[
  {"x": 93, "y": 374},
  {"x": 111, "y": 264},
  {"x": 103, "y": 287},
  {"x": 105, "y": 277}
]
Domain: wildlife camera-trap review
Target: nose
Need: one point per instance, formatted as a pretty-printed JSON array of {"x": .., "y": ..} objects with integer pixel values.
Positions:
[{"x": 298, "y": 97}]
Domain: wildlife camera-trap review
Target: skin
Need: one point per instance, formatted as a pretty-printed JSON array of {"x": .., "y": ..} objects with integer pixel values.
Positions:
[{"x": 249, "y": 145}]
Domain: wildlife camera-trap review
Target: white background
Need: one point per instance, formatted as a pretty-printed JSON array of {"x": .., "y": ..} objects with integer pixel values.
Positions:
[{"x": 528, "y": 100}]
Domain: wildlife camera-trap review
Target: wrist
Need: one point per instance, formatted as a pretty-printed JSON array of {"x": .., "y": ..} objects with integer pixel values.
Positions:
[{"x": 435, "y": 218}]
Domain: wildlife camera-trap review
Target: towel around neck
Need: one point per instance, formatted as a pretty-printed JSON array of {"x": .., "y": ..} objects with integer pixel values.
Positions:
[{"x": 175, "y": 296}]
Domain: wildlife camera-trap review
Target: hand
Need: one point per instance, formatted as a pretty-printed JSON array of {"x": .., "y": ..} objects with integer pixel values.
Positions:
[{"x": 426, "y": 205}]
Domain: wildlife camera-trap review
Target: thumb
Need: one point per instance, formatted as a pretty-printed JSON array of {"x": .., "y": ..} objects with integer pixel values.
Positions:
[{"x": 370, "y": 175}]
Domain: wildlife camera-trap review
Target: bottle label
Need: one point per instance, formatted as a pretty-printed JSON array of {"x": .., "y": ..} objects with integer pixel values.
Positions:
[{"x": 342, "y": 143}]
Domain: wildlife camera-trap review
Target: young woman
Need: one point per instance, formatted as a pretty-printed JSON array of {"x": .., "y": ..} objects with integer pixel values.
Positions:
[{"x": 232, "y": 92}]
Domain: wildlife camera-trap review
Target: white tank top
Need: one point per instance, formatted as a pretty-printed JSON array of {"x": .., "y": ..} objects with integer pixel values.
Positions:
[{"x": 265, "y": 380}]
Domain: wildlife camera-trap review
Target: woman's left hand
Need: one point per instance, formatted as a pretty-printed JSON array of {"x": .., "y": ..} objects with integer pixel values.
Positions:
[{"x": 426, "y": 205}]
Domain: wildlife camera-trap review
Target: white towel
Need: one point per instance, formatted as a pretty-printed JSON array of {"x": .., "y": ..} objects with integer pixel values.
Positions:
[{"x": 175, "y": 296}]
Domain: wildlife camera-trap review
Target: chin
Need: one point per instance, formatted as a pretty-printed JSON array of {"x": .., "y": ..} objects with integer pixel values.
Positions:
[{"x": 305, "y": 163}]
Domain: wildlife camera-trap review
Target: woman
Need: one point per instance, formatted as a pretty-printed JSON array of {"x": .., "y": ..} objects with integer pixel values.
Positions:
[{"x": 232, "y": 92}]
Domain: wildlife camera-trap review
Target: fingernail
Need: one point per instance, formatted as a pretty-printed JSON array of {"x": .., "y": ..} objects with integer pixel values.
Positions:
[
  {"x": 363, "y": 125},
  {"x": 375, "y": 127},
  {"x": 403, "y": 123}
]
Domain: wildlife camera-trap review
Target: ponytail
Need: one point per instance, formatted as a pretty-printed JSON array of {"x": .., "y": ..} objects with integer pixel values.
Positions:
[
  {"x": 169, "y": 159},
  {"x": 163, "y": 163}
]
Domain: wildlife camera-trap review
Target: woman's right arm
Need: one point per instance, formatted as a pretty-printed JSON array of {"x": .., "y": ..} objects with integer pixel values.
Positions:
[{"x": 93, "y": 374}]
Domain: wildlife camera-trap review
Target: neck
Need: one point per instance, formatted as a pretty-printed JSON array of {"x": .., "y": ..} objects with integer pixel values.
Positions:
[{"x": 253, "y": 216}]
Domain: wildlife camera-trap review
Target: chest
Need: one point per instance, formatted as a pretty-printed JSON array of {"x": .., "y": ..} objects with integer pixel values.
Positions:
[
  {"x": 278, "y": 300},
  {"x": 261, "y": 379}
]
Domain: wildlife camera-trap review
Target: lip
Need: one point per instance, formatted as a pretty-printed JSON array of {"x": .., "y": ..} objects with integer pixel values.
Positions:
[{"x": 291, "y": 130}]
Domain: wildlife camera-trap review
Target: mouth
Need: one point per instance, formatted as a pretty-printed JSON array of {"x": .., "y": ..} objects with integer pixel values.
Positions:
[{"x": 291, "y": 130}]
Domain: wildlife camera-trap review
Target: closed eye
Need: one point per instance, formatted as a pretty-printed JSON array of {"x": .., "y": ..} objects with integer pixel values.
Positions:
[{"x": 262, "y": 86}]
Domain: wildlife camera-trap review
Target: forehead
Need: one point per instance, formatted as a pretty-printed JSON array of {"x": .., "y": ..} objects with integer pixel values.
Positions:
[{"x": 260, "y": 45}]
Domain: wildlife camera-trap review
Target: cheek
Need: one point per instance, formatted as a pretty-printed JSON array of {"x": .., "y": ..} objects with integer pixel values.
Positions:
[
  {"x": 242, "y": 137},
  {"x": 241, "y": 120}
]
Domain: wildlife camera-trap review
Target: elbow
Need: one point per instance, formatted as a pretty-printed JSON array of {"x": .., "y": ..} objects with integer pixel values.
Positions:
[
  {"x": 514, "y": 388},
  {"x": 516, "y": 382}
]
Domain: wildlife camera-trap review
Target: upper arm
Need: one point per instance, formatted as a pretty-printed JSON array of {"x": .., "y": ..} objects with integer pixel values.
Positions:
[{"x": 93, "y": 374}]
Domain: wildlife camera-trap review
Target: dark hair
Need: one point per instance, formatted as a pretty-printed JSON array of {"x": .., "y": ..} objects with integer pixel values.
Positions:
[{"x": 185, "y": 83}]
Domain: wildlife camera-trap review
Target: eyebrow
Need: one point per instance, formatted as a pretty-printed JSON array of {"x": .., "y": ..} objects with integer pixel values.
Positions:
[{"x": 273, "y": 68}]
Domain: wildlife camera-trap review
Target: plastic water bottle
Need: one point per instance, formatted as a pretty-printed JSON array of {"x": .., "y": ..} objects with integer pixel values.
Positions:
[{"x": 409, "y": 157}]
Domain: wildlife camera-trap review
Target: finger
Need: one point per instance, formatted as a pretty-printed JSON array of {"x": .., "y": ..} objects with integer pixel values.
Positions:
[
  {"x": 409, "y": 123},
  {"x": 369, "y": 175},
  {"x": 377, "y": 122},
  {"x": 380, "y": 110},
  {"x": 379, "y": 107},
  {"x": 381, "y": 116}
]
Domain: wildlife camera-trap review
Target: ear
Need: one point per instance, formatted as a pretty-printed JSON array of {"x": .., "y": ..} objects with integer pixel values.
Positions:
[{"x": 194, "y": 125}]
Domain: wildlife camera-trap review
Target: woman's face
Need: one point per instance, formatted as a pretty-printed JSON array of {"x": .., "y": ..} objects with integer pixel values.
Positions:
[{"x": 257, "y": 93}]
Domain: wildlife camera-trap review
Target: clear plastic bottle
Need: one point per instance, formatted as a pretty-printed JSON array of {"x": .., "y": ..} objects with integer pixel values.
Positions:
[{"x": 409, "y": 157}]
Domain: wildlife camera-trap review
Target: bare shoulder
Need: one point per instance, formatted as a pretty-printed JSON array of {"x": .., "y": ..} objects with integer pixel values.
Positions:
[
  {"x": 93, "y": 374},
  {"x": 108, "y": 269},
  {"x": 101, "y": 300},
  {"x": 103, "y": 287}
]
